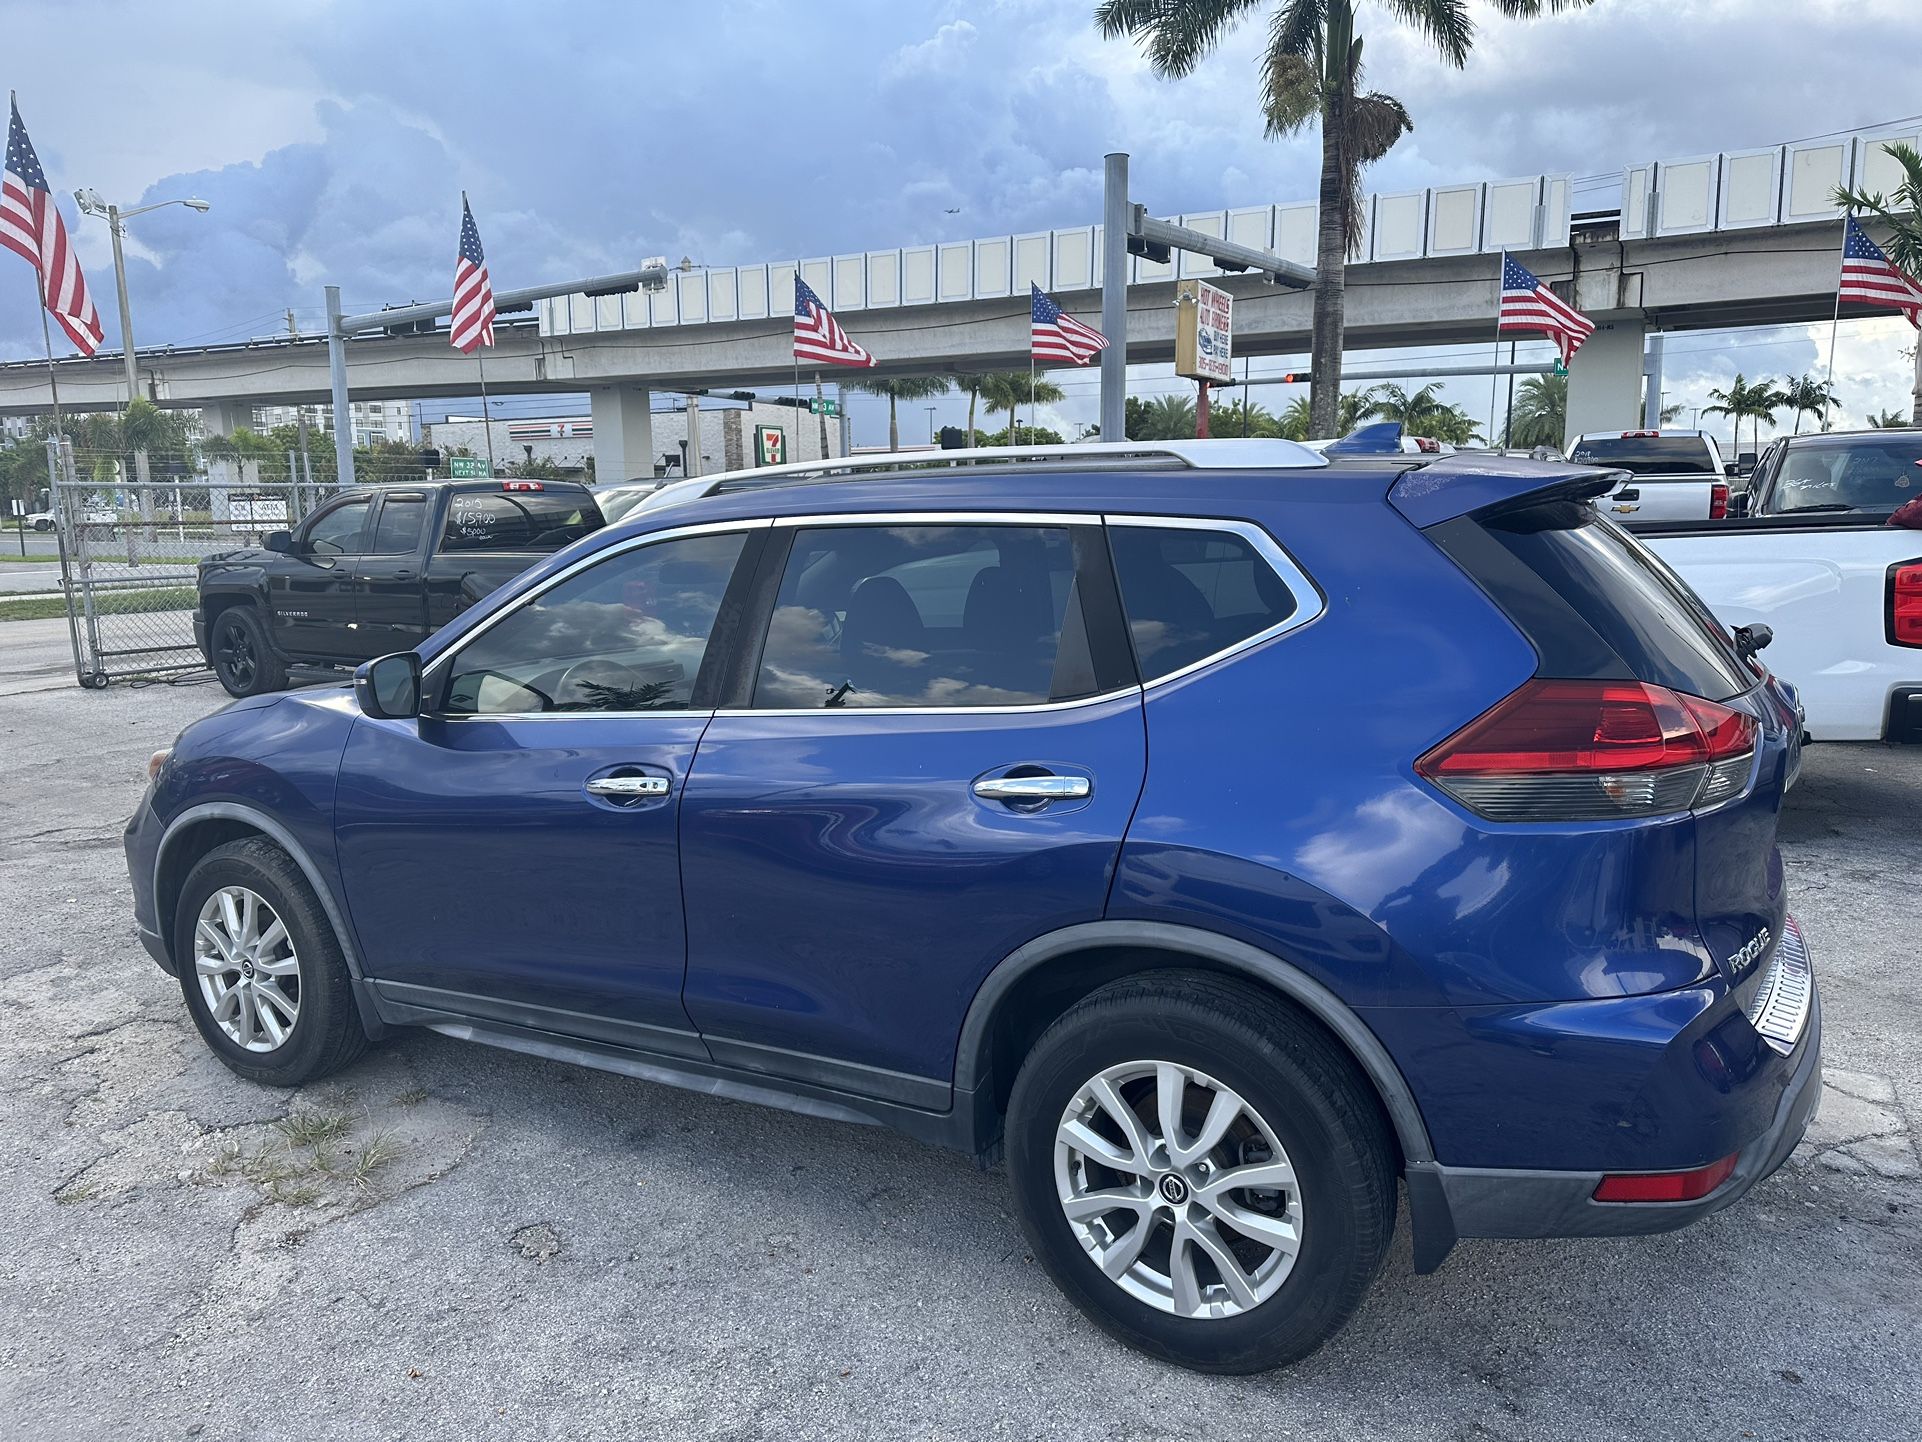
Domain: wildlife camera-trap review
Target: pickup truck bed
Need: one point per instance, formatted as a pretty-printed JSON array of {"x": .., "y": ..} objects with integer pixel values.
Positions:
[
  {"x": 375, "y": 570},
  {"x": 1827, "y": 587}
]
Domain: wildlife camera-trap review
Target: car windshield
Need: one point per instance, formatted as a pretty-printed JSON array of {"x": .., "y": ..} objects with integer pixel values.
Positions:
[
  {"x": 1649, "y": 455},
  {"x": 1856, "y": 473}
]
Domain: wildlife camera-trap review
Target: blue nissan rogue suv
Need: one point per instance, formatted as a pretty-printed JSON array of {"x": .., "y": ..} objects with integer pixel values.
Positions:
[{"x": 1224, "y": 832}]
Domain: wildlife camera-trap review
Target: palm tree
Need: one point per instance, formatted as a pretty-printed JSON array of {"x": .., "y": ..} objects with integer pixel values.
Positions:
[
  {"x": 1168, "y": 418},
  {"x": 1355, "y": 406},
  {"x": 1805, "y": 395},
  {"x": 1539, "y": 416},
  {"x": 1889, "y": 421},
  {"x": 971, "y": 382},
  {"x": 1311, "y": 71},
  {"x": 1243, "y": 418},
  {"x": 1008, "y": 390},
  {"x": 1742, "y": 401},
  {"x": 1669, "y": 413},
  {"x": 901, "y": 388}
]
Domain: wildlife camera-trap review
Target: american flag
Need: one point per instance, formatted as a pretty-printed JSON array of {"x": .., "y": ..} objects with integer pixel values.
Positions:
[
  {"x": 817, "y": 337},
  {"x": 1871, "y": 277},
  {"x": 30, "y": 226},
  {"x": 473, "y": 291},
  {"x": 1527, "y": 304},
  {"x": 1054, "y": 335}
]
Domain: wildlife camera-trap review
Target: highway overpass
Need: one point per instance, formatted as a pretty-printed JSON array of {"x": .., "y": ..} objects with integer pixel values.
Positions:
[{"x": 1738, "y": 239}]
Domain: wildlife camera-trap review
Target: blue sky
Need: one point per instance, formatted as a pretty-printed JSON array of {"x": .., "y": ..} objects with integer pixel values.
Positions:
[{"x": 333, "y": 139}]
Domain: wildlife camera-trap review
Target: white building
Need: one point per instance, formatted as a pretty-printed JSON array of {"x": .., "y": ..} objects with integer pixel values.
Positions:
[
  {"x": 374, "y": 421},
  {"x": 734, "y": 437}
]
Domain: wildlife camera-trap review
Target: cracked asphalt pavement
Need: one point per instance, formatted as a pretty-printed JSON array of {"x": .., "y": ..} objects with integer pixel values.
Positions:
[{"x": 448, "y": 1241}]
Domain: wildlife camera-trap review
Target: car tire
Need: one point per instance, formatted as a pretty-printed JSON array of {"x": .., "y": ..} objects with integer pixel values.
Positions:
[
  {"x": 1208, "y": 1042},
  {"x": 270, "y": 1032},
  {"x": 242, "y": 658}
]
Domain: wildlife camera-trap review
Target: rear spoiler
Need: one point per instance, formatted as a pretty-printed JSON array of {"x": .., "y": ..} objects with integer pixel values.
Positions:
[{"x": 1455, "y": 485}]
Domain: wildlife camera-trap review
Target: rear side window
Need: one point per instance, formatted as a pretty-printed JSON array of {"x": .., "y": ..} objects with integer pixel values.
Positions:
[
  {"x": 1639, "y": 607},
  {"x": 929, "y": 615},
  {"x": 1190, "y": 593},
  {"x": 1649, "y": 455},
  {"x": 1869, "y": 473},
  {"x": 517, "y": 520},
  {"x": 397, "y": 531}
]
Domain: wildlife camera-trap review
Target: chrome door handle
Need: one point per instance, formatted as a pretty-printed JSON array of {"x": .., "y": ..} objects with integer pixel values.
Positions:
[
  {"x": 1033, "y": 788},
  {"x": 626, "y": 788}
]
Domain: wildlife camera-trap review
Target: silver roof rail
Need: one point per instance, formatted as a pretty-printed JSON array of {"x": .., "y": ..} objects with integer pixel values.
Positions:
[{"x": 1208, "y": 455}]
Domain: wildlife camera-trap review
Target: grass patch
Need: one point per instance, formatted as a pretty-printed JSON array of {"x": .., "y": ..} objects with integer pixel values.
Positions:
[
  {"x": 317, "y": 1159},
  {"x": 412, "y": 1097},
  {"x": 109, "y": 603},
  {"x": 313, "y": 1129}
]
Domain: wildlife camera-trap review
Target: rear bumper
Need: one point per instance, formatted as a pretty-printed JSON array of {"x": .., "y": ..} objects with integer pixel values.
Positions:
[{"x": 1456, "y": 1202}]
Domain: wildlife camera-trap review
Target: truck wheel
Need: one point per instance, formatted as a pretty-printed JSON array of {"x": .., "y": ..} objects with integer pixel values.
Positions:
[
  {"x": 243, "y": 661},
  {"x": 1201, "y": 1170}
]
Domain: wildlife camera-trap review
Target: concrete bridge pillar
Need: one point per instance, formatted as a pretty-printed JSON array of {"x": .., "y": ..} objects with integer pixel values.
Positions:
[
  {"x": 1605, "y": 378},
  {"x": 223, "y": 418},
  {"x": 623, "y": 433}
]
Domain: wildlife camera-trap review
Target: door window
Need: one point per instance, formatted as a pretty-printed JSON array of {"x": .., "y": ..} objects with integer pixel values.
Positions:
[
  {"x": 397, "y": 531},
  {"x": 929, "y": 615},
  {"x": 628, "y": 634},
  {"x": 337, "y": 532},
  {"x": 1191, "y": 593}
]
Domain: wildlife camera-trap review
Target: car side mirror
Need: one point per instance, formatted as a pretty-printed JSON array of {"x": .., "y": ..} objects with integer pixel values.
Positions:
[
  {"x": 388, "y": 687},
  {"x": 281, "y": 541},
  {"x": 1738, "y": 504},
  {"x": 1731, "y": 468}
]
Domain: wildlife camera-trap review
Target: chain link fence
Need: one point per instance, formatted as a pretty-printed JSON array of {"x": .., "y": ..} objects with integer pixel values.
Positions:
[{"x": 130, "y": 549}]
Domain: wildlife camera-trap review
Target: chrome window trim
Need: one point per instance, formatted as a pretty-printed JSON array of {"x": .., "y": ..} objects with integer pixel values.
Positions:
[
  {"x": 436, "y": 671},
  {"x": 1309, "y": 602}
]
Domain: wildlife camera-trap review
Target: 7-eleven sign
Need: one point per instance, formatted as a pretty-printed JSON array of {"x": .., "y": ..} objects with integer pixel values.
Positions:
[{"x": 770, "y": 446}]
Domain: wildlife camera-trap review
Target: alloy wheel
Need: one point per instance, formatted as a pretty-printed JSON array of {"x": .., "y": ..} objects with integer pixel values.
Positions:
[
  {"x": 248, "y": 973},
  {"x": 1178, "y": 1189},
  {"x": 237, "y": 653}
]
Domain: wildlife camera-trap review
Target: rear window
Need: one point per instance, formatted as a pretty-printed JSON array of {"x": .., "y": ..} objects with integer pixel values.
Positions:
[
  {"x": 1865, "y": 473},
  {"x": 1649, "y": 455},
  {"x": 1644, "y": 612},
  {"x": 518, "y": 520}
]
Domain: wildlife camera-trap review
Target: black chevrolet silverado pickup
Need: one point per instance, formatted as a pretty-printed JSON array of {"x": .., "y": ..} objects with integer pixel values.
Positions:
[{"x": 375, "y": 570}]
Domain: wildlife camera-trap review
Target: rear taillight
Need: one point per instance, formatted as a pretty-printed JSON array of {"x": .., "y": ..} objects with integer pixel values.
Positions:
[
  {"x": 1718, "y": 501},
  {"x": 1686, "y": 1186},
  {"x": 1905, "y": 604},
  {"x": 1594, "y": 750}
]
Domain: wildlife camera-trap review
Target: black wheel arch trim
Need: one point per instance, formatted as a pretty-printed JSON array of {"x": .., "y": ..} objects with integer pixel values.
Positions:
[
  {"x": 277, "y": 833},
  {"x": 972, "y": 1050}
]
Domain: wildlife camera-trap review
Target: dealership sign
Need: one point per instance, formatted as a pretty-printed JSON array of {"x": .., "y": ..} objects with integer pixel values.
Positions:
[{"x": 1204, "y": 331}]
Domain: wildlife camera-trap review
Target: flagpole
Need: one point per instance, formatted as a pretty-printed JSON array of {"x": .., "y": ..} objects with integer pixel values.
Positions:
[
  {"x": 1495, "y": 370},
  {"x": 487, "y": 424},
  {"x": 1835, "y": 321}
]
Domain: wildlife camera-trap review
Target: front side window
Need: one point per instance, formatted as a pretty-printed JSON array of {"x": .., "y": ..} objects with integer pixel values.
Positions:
[
  {"x": 628, "y": 634},
  {"x": 517, "y": 520},
  {"x": 1190, "y": 593},
  {"x": 337, "y": 532},
  {"x": 927, "y": 615}
]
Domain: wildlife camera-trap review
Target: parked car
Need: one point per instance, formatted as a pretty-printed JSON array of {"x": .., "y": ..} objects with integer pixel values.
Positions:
[
  {"x": 1671, "y": 475},
  {"x": 617, "y": 498},
  {"x": 1053, "y": 801},
  {"x": 1815, "y": 562},
  {"x": 39, "y": 520},
  {"x": 374, "y": 569}
]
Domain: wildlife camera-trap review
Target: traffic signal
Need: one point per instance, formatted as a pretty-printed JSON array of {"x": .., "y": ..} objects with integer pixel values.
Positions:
[
  {"x": 952, "y": 439},
  {"x": 1290, "y": 378},
  {"x": 1157, "y": 251},
  {"x": 430, "y": 459}
]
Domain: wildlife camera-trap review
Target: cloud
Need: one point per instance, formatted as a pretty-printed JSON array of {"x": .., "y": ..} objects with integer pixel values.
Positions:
[{"x": 334, "y": 139}]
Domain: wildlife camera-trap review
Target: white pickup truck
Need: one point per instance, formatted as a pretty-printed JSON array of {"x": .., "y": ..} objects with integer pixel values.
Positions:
[
  {"x": 1816, "y": 561},
  {"x": 1672, "y": 475}
]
